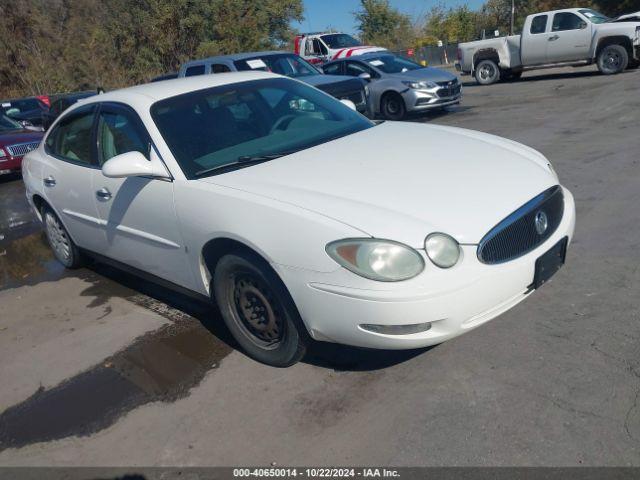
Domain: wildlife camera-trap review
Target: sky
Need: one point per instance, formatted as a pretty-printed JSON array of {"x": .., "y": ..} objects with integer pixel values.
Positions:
[{"x": 338, "y": 14}]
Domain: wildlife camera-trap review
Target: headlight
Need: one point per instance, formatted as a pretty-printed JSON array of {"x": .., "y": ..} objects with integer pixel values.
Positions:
[
  {"x": 420, "y": 85},
  {"x": 380, "y": 260},
  {"x": 442, "y": 250},
  {"x": 2, "y": 153},
  {"x": 366, "y": 90}
]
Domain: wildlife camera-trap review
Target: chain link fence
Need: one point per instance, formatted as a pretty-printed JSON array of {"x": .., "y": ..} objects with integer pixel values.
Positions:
[{"x": 432, "y": 55}]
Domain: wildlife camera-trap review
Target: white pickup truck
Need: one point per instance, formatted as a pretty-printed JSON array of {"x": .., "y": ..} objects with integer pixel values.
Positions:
[{"x": 575, "y": 36}]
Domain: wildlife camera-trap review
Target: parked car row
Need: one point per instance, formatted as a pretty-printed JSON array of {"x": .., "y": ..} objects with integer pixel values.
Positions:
[{"x": 382, "y": 83}]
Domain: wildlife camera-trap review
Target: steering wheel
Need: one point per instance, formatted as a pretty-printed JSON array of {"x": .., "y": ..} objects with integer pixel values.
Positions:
[{"x": 282, "y": 122}]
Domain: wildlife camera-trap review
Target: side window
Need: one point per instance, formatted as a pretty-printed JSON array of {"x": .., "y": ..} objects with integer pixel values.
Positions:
[
  {"x": 71, "y": 138},
  {"x": 539, "y": 24},
  {"x": 119, "y": 132},
  {"x": 193, "y": 71},
  {"x": 318, "y": 47},
  {"x": 356, "y": 68},
  {"x": 333, "y": 69},
  {"x": 567, "y": 21},
  {"x": 219, "y": 68}
]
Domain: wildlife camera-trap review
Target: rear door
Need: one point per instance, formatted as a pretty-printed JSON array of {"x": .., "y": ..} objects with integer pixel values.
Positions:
[
  {"x": 570, "y": 38},
  {"x": 141, "y": 226},
  {"x": 535, "y": 41},
  {"x": 68, "y": 174}
]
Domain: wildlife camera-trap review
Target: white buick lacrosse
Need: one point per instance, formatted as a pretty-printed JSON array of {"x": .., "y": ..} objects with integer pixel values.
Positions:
[{"x": 299, "y": 217}]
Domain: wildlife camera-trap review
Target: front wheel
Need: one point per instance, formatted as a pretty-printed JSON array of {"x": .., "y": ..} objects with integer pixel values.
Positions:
[
  {"x": 487, "y": 72},
  {"x": 393, "y": 107},
  {"x": 613, "y": 59},
  {"x": 64, "y": 249},
  {"x": 258, "y": 310}
]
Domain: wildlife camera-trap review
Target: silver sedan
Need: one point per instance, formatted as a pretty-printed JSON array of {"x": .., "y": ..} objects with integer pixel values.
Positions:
[{"x": 398, "y": 86}]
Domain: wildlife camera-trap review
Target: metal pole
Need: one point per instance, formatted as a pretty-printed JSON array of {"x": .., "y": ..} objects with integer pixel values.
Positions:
[{"x": 513, "y": 14}]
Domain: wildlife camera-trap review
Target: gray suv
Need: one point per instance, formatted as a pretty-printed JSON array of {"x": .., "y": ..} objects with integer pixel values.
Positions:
[
  {"x": 398, "y": 86},
  {"x": 288, "y": 64}
]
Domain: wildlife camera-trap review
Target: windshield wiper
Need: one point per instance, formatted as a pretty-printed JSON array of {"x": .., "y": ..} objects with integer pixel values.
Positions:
[{"x": 242, "y": 162}]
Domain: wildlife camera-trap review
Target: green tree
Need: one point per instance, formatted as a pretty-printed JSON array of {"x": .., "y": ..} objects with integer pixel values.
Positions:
[
  {"x": 380, "y": 24},
  {"x": 618, "y": 7}
]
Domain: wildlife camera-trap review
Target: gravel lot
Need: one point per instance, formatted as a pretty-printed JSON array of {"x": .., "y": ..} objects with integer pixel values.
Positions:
[{"x": 100, "y": 368}]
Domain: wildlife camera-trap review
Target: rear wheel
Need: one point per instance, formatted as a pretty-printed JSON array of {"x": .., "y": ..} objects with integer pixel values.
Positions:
[
  {"x": 613, "y": 59},
  {"x": 64, "y": 249},
  {"x": 487, "y": 72},
  {"x": 393, "y": 107},
  {"x": 258, "y": 310}
]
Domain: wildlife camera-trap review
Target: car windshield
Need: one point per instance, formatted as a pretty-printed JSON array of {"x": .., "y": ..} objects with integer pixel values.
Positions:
[
  {"x": 340, "y": 40},
  {"x": 283, "y": 64},
  {"x": 22, "y": 105},
  {"x": 226, "y": 125},
  {"x": 392, "y": 64},
  {"x": 7, "y": 124},
  {"x": 595, "y": 17}
]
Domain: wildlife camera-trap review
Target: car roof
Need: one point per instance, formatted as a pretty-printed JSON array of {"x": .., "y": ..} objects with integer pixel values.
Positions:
[
  {"x": 364, "y": 56},
  {"x": 150, "y": 93},
  {"x": 236, "y": 56}
]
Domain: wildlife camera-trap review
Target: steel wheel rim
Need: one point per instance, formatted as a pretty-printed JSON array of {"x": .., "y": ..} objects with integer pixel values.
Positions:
[
  {"x": 58, "y": 238},
  {"x": 256, "y": 311},
  {"x": 613, "y": 60},
  {"x": 393, "y": 106},
  {"x": 487, "y": 72}
]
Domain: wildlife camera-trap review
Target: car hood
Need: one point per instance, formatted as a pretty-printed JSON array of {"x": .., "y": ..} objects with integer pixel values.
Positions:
[
  {"x": 20, "y": 136},
  {"x": 431, "y": 74},
  {"x": 403, "y": 181}
]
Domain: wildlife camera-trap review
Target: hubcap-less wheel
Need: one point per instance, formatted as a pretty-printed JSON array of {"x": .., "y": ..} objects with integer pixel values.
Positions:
[
  {"x": 487, "y": 72},
  {"x": 256, "y": 311},
  {"x": 393, "y": 107},
  {"x": 613, "y": 59},
  {"x": 58, "y": 239}
]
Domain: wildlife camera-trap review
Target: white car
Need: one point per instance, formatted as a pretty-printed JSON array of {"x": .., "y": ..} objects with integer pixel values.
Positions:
[{"x": 298, "y": 216}]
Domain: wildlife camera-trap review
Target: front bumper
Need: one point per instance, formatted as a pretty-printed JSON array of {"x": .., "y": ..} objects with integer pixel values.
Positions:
[
  {"x": 10, "y": 165},
  {"x": 421, "y": 100},
  {"x": 335, "y": 305}
]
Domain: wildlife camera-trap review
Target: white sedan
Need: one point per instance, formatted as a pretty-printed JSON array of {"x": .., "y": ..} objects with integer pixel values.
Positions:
[{"x": 299, "y": 217}]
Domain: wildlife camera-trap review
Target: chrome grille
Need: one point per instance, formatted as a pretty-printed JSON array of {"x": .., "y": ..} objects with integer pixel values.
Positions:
[
  {"x": 21, "y": 149},
  {"x": 518, "y": 234},
  {"x": 449, "y": 89}
]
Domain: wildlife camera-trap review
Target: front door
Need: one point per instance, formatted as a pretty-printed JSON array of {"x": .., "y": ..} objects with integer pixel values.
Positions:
[
  {"x": 141, "y": 226},
  {"x": 535, "y": 44},
  {"x": 570, "y": 38},
  {"x": 68, "y": 175}
]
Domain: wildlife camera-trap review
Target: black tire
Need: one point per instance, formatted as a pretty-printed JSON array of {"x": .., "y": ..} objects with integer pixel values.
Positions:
[
  {"x": 63, "y": 247},
  {"x": 393, "y": 107},
  {"x": 613, "y": 59},
  {"x": 258, "y": 310},
  {"x": 487, "y": 72}
]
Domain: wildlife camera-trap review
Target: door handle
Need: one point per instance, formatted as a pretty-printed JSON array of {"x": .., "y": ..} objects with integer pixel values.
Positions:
[
  {"x": 103, "y": 194},
  {"x": 554, "y": 38},
  {"x": 49, "y": 181}
]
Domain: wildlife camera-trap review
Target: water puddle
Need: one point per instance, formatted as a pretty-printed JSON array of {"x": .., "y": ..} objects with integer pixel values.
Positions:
[{"x": 161, "y": 366}]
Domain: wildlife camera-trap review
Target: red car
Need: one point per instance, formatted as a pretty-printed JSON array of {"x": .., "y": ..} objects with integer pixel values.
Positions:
[{"x": 15, "y": 143}]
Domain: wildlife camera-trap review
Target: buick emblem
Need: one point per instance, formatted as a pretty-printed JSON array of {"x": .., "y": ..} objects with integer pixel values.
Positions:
[{"x": 542, "y": 222}]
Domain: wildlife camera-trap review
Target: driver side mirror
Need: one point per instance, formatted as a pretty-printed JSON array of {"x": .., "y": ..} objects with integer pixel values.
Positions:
[
  {"x": 349, "y": 104},
  {"x": 583, "y": 25},
  {"x": 134, "y": 164},
  {"x": 365, "y": 76}
]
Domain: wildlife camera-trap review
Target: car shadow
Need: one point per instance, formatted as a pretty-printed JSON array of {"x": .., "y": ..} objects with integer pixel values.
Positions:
[
  {"x": 538, "y": 76},
  {"x": 320, "y": 354}
]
